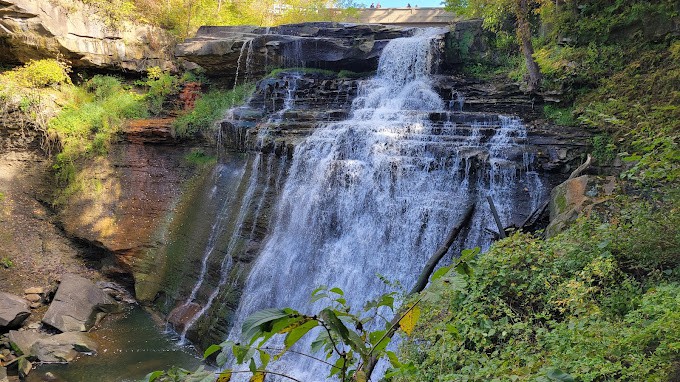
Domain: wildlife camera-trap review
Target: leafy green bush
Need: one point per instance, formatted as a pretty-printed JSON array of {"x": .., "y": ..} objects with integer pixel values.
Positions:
[
  {"x": 604, "y": 150},
  {"x": 40, "y": 73},
  {"x": 160, "y": 84},
  {"x": 561, "y": 116},
  {"x": 210, "y": 108},
  {"x": 87, "y": 125},
  {"x": 598, "y": 302}
]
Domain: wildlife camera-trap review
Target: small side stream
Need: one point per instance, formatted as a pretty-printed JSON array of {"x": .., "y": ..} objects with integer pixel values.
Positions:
[{"x": 131, "y": 345}]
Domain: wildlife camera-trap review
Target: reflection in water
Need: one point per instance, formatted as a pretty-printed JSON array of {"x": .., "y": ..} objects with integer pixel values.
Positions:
[{"x": 130, "y": 346}]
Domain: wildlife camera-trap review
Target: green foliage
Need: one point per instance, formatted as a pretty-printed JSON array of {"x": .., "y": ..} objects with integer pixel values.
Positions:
[
  {"x": 604, "y": 150},
  {"x": 561, "y": 116},
  {"x": 111, "y": 12},
  {"x": 598, "y": 302},
  {"x": 6, "y": 262},
  {"x": 39, "y": 74},
  {"x": 638, "y": 106},
  {"x": 210, "y": 108},
  {"x": 86, "y": 126},
  {"x": 160, "y": 84},
  {"x": 199, "y": 158},
  {"x": 277, "y": 72}
]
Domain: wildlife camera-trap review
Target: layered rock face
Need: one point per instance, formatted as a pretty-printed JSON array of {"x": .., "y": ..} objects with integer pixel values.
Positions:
[
  {"x": 32, "y": 29},
  {"x": 253, "y": 51}
]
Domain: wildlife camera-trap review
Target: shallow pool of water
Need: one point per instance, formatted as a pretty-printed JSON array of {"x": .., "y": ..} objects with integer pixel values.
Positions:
[{"x": 130, "y": 346}]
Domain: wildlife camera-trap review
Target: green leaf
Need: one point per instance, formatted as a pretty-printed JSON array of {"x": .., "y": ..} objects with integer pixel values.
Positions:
[
  {"x": 349, "y": 337},
  {"x": 559, "y": 375},
  {"x": 211, "y": 350},
  {"x": 298, "y": 332},
  {"x": 394, "y": 361},
  {"x": 334, "y": 323},
  {"x": 261, "y": 321},
  {"x": 337, "y": 366},
  {"x": 264, "y": 357},
  {"x": 468, "y": 254},
  {"x": 320, "y": 288},
  {"x": 376, "y": 336},
  {"x": 252, "y": 366},
  {"x": 439, "y": 273},
  {"x": 322, "y": 341},
  {"x": 387, "y": 300},
  {"x": 221, "y": 359},
  {"x": 153, "y": 376},
  {"x": 464, "y": 269},
  {"x": 338, "y": 291},
  {"x": 318, "y": 296}
]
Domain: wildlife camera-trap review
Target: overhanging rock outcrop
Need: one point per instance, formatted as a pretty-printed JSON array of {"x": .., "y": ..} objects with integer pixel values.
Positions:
[
  {"x": 36, "y": 29},
  {"x": 250, "y": 51}
]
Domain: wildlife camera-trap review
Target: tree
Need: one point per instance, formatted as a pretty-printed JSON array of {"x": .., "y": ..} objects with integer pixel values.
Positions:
[{"x": 494, "y": 13}]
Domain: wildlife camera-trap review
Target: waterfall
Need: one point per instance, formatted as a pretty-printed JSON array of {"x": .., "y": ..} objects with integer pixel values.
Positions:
[
  {"x": 378, "y": 193},
  {"x": 246, "y": 48}
]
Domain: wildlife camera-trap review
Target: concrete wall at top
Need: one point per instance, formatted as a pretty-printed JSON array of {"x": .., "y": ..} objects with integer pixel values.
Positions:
[{"x": 406, "y": 16}]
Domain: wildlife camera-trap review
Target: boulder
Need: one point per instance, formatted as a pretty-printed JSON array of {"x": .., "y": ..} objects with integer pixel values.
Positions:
[
  {"x": 324, "y": 45},
  {"x": 13, "y": 311},
  {"x": 24, "y": 340},
  {"x": 576, "y": 197},
  {"x": 3, "y": 374},
  {"x": 32, "y": 30},
  {"x": 78, "y": 305},
  {"x": 63, "y": 347}
]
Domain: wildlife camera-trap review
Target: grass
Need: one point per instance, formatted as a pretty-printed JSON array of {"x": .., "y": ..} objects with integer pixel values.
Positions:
[
  {"x": 561, "y": 116},
  {"x": 89, "y": 122},
  {"x": 210, "y": 108}
]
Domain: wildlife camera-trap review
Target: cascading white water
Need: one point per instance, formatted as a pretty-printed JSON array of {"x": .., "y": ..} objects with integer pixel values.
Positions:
[
  {"x": 378, "y": 193},
  {"x": 246, "y": 48}
]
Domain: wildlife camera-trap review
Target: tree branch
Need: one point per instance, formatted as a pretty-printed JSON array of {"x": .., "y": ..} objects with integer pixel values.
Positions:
[
  {"x": 420, "y": 285},
  {"x": 434, "y": 260}
]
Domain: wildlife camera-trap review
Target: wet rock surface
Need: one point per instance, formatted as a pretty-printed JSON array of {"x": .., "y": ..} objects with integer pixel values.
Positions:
[{"x": 223, "y": 50}]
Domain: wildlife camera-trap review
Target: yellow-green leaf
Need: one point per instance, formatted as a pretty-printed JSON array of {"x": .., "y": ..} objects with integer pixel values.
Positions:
[
  {"x": 408, "y": 322},
  {"x": 224, "y": 376},
  {"x": 257, "y": 377}
]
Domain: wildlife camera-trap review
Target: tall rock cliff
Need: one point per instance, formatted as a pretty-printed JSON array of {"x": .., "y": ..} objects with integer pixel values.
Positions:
[{"x": 35, "y": 29}]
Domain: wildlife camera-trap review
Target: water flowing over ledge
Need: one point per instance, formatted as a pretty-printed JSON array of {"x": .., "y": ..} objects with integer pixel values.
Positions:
[{"x": 377, "y": 193}]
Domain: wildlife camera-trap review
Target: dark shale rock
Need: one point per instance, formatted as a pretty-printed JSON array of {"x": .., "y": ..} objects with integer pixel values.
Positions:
[
  {"x": 78, "y": 305},
  {"x": 254, "y": 50},
  {"x": 13, "y": 311},
  {"x": 62, "y": 347},
  {"x": 24, "y": 340}
]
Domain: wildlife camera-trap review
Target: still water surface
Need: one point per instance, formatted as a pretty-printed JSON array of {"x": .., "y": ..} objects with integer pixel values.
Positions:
[{"x": 131, "y": 345}]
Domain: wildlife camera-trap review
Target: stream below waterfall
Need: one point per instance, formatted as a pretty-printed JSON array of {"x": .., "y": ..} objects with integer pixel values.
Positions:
[{"x": 131, "y": 345}]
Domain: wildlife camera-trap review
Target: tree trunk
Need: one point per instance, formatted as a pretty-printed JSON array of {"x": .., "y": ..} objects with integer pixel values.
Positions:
[
  {"x": 423, "y": 280},
  {"x": 524, "y": 36}
]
